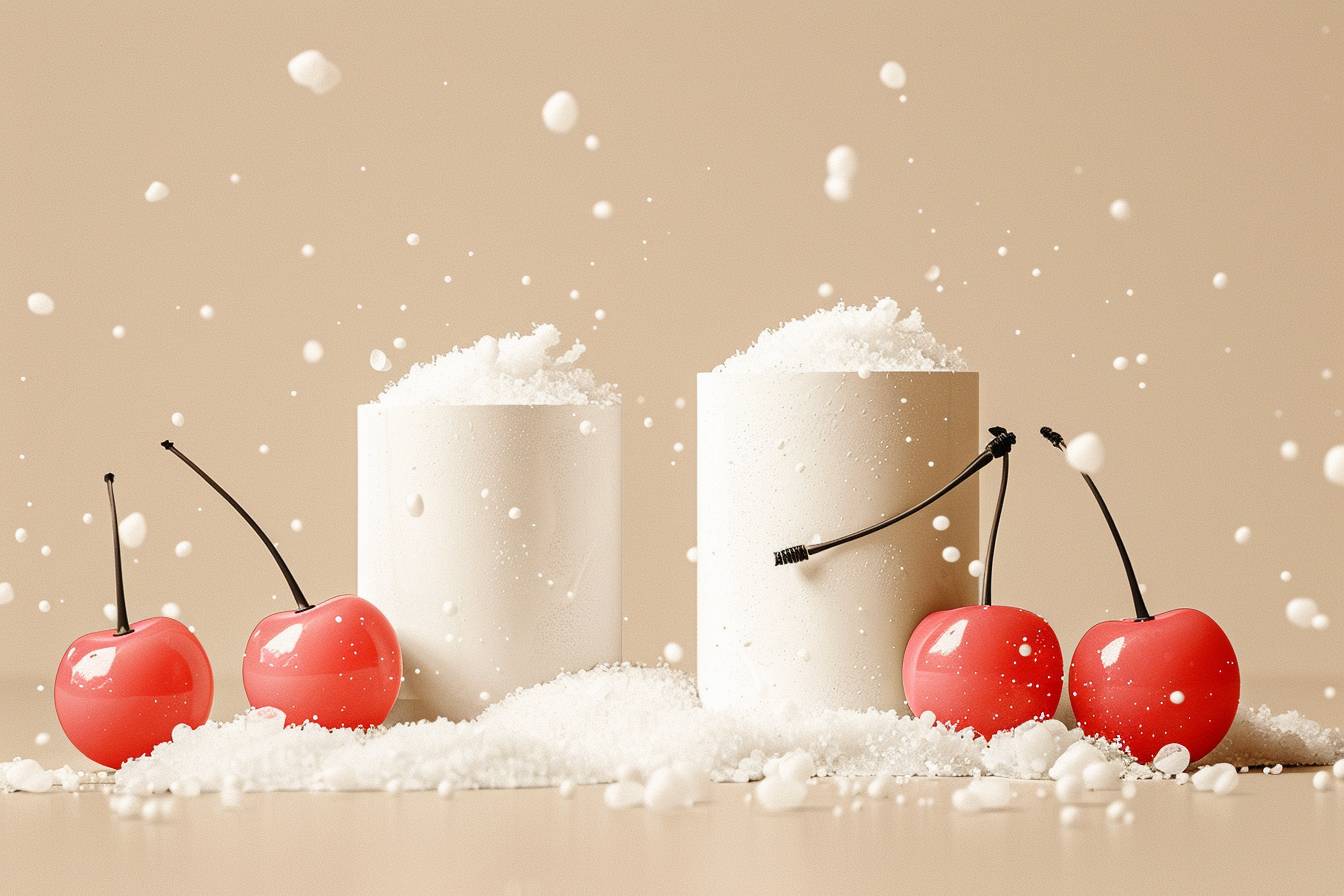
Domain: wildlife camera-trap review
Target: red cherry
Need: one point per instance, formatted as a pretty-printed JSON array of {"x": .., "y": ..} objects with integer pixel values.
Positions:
[
  {"x": 337, "y": 664},
  {"x": 121, "y": 691},
  {"x": 983, "y": 667},
  {"x": 1152, "y": 680},
  {"x": 117, "y": 696},
  {"x": 1172, "y": 679}
]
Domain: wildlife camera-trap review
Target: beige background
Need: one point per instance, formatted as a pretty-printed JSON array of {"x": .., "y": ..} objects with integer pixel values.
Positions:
[{"x": 1220, "y": 125}]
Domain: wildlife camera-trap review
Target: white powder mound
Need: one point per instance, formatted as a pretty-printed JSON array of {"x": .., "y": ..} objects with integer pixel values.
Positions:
[
  {"x": 1259, "y": 737},
  {"x": 584, "y": 727},
  {"x": 513, "y": 369},
  {"x": 846, "y": 338}
]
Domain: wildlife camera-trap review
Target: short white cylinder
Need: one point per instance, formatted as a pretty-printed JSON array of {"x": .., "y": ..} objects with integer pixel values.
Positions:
[
  {"x": 789, "y": 458},
  {"x": 484, "y": 598}
]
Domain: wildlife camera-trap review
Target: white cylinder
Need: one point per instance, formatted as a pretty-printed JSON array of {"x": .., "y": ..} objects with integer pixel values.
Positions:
[
  {"x": 791, "y": 458},
  {"x": 491, "y": 537}
]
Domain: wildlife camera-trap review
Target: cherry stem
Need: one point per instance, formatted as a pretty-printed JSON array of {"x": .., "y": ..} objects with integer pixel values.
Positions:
[
  {"x": 280, "y": 561},
  {"x": 1141, "y": 613},
  {"x": 986, "y": 582},
  {"x": 123, "y": 621},
  {"x": 999, "y": 446}
]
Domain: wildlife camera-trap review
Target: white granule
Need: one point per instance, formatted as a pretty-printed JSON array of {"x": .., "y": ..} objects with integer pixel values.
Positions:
[
  {"x": 156, "y": 192},
  {"x": 513, "y": 369},
  {"x": 1259, "y": 737},
  {"x": 1086, "y": 453},
  {"x": 847, "y": 338},
  {"x": 41, "y": 304},
  {"x": 313, "y": 70},
  {"x": 560, "y": 112},
  {"x": 132, "y": 530}
]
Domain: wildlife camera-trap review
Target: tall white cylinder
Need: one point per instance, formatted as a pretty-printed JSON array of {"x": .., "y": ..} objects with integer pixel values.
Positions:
[
  {"x": 789, "y": 458},
  {"x": 491, "y": 537}
]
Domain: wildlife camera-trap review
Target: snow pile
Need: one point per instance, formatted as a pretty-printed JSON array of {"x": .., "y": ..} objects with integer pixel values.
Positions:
[
  {"x": 1259, "y": 737},
  {"x": 514, "y": 369},
  {"x": 845, "y": 338}
]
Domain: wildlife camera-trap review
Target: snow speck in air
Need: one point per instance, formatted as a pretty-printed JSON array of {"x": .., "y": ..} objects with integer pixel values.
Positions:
[
  {"x": 1300, "y": 611},
  {"x": 207, "y": 312},
  {"x": 171, "y": 610},
  {"x": 592, "y": 143},
  {"x": 133, "y": 530},
  {"x": 602, "y": 210},
  {"x": 1289, "y": 450},
  {"x": 951, "y": 553},
  {"x": 1086, "y": 454},
  {"x": 941, "y": 523},
  {"x": 1120, "y": 209},
  {"x": 672, "y": 652},
  {"x": 1334, "y": 465},
  {"x": 825, "y": 290},
  {"x": 378, "y": 361},
  {"x": 415, "y": 505},
  {"x": 313, "y": 70},
  {"x": 1242, "y": 535},
  {"x": 1220, "y": 280},
  {"x": 6, "y": 593},
  {"x": 560, "y": 112},
  {"x": 412, "y": 239},
  {"x": 41, "y": 304},
  {"x": 307, "y": 250},
  {"x": 156, "y": 191},
  {"x": 183, "y": 549},
  {"x": 892, "y": 74},
  {"x": 1120, "y": 363},
  {"x": 515, "y": 513},
  {"x": 313, "y": 351}
]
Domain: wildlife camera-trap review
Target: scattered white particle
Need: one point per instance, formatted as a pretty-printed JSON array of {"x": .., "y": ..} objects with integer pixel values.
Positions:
[
  {"x": 41, "y": 304},
  {"x": 44, "y": 606},
  {"x": 485, "y": 696},
  {"x": 42, "y": 739},
  {"x": 182, "y": 549},
  {"x": 602, "y": 210},
  {"x": 1285, "y": 576},
  {"x": 296, "y": 525},
  {"x": 171, "y": 610},
  {"x": 178, "y": 419},
  {"x": 207, "y": 312},
  {"x": 1329, "y": 691},
  {"x": 118, "y": 332},
  {"x": 1141, "y": 359},
  {"x": 1321, "y": 781},
  {"x": 567, "y": 788},
  {"x": 1024, "y": 649},
  {"x": 825, "y": 290},
  {"x": 415, "y": 505},
  {"x": 842, "y": 162},
  {"x": 560, "y": 112},
  {"x": 87, "y": 519},
  {"x": 693, "y": 554},
  {"x": 1220, "y": 280},
  {"x": 313, "y": 70},
  {"x": 1320, "y": 622},
  {"x": 1334, "y": 465},
  {"x": 263, "y": 448},
  {"x": 1120, "y": 209},
  {"x": 933, "y": 273},
  {"x": 1289, "y": 450},
  {"x": 838, "y": 189},
  {"x": 1177, "y": 697},
  {"x": 1300, "y": 611},
  {"x": 20, "y": 535},
  {"x": 892, "y": 74},
  {"x": 378, "y": 360},
  {"x": 515, "y": 513},
  {"x": 648, "y": 423},
  {"x": 132, "y": 530},
  {"x": 600, "y": 314},
  {"x": 235, "y": 178},
  {"x": 678, "y": 447},
  {"x": 586, "y": 427},
  {"x": 1086, "y": 453},
  {"x": 156, "y": 192},
  {"x": 110, "y": 612},
  {"x": 672, "y": 652},
  {"x": 941, "y": 523},
  {"x": 1338, "y": 769},
  {"x": 45, "y": 550},
  {"x": 591, "y": 143},
  {"x": 1035, "y": 272},
  {"x": 975, "y": 567},
  {"x": 679, "y": 404},
  {"x": 951, "y": 553},
  {"x": 313, "y": 351},
  {"x": 1003, "y": 251},
  {"x": 1120, "y": 363},
  {"x": 412, "y": 239},
  {"x": 1242, "y": 535},
  {"x": 6, "y": 593},
  {"x": 307, "y": 250}
]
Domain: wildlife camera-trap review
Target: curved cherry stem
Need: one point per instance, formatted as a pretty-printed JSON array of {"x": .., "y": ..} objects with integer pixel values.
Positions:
[
  {"x": 987, "y": 579},
  {"x": 280, "y": 561},
  {"x": 1141, "y": 613},
  {"x": 999, "y": 446},
  {"x": 123, "y": 621}
]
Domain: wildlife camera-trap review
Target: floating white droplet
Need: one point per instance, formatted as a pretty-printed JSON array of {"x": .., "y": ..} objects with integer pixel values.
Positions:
[
  {"x": 110, "y": 612},
  {"x": 156, "y": 191},
  {"x": 1141, "y": 359},
  {"x": 838, "y": 189},
  {"x": 825, "y": 290},
  {"x": 6, "y": 593},
  {"x": 678, "y": 447},
  {"x": 87, "y": 519},
  {"x": 1177, "y": 697},
  {"x": 313, "y": 351},
  {"x": 412, "y": 239},
  {"x": 1321, "y": 781},
  {"x": 842, "y": 162},
  {"x": 378, "y": 360},
  {"x": 1320, "y": 622},
  {"x": 515, "y": 513},
  {"x": 41, "y": 304},
  {"x": 1300, "y": 611},
  {"x": 177, "y": 418},
  {"x": 1120, "y": 209},
  {"x": 1288, "y": 450},
  {"x": 296, "y": 525},
  {"x": 415, "y": 505},
  {"x": 399, "y": 343},
  {"x": 672, "y": 652},
  {"x": 20, "y": 535},
  {"x": 648, "y": 423},
  {"x": 44, "y": 606},
  {"x": 941, "y": 523},
  {"x": 207, "y": 312},
  {"x": 933, "y": 273},
  {"x": 560, "y": 112},
  {"x": 892, "y": 74},
  {"x": 1220, "y": 280},
  {"x": 1002, "y": 251},
  {"x": 313, "y": 70},
  {"x": 132, "y": 530},
  {"x": 182, "y": 549},
  {"x": 118, "y": 332},
  {"x": 263, "y": 448},
  {"x": 1120, "y": 363},
  {"x": 591, "y": 143},
  {"x": 1086, "y": 454},
  {"x": 307, "y": 250},
  {"x": 951, "y": 553},
  {"x": 1024, "y": 649},
  {"x": 171, "y": 610},
  {"x": 602, "y": 210},
  {"x": 1242, "y": 535},
  {"x": 975, "y": 567},
  {"x": 693, "y": 554},
  {"x": 600, "y": 314},
  {"x": 586, "y": 427},
  {"x": 1334, "y": 465}
]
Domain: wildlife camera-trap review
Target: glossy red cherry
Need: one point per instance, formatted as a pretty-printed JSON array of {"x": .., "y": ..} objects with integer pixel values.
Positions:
[
  {"x": 1172, "y": 679},
  {"x": 1152, "y": 680},
  {"x": 119, "y": 692},
  {"x": 983, "y": 667},
  {"x": 337, "y": 662}
]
